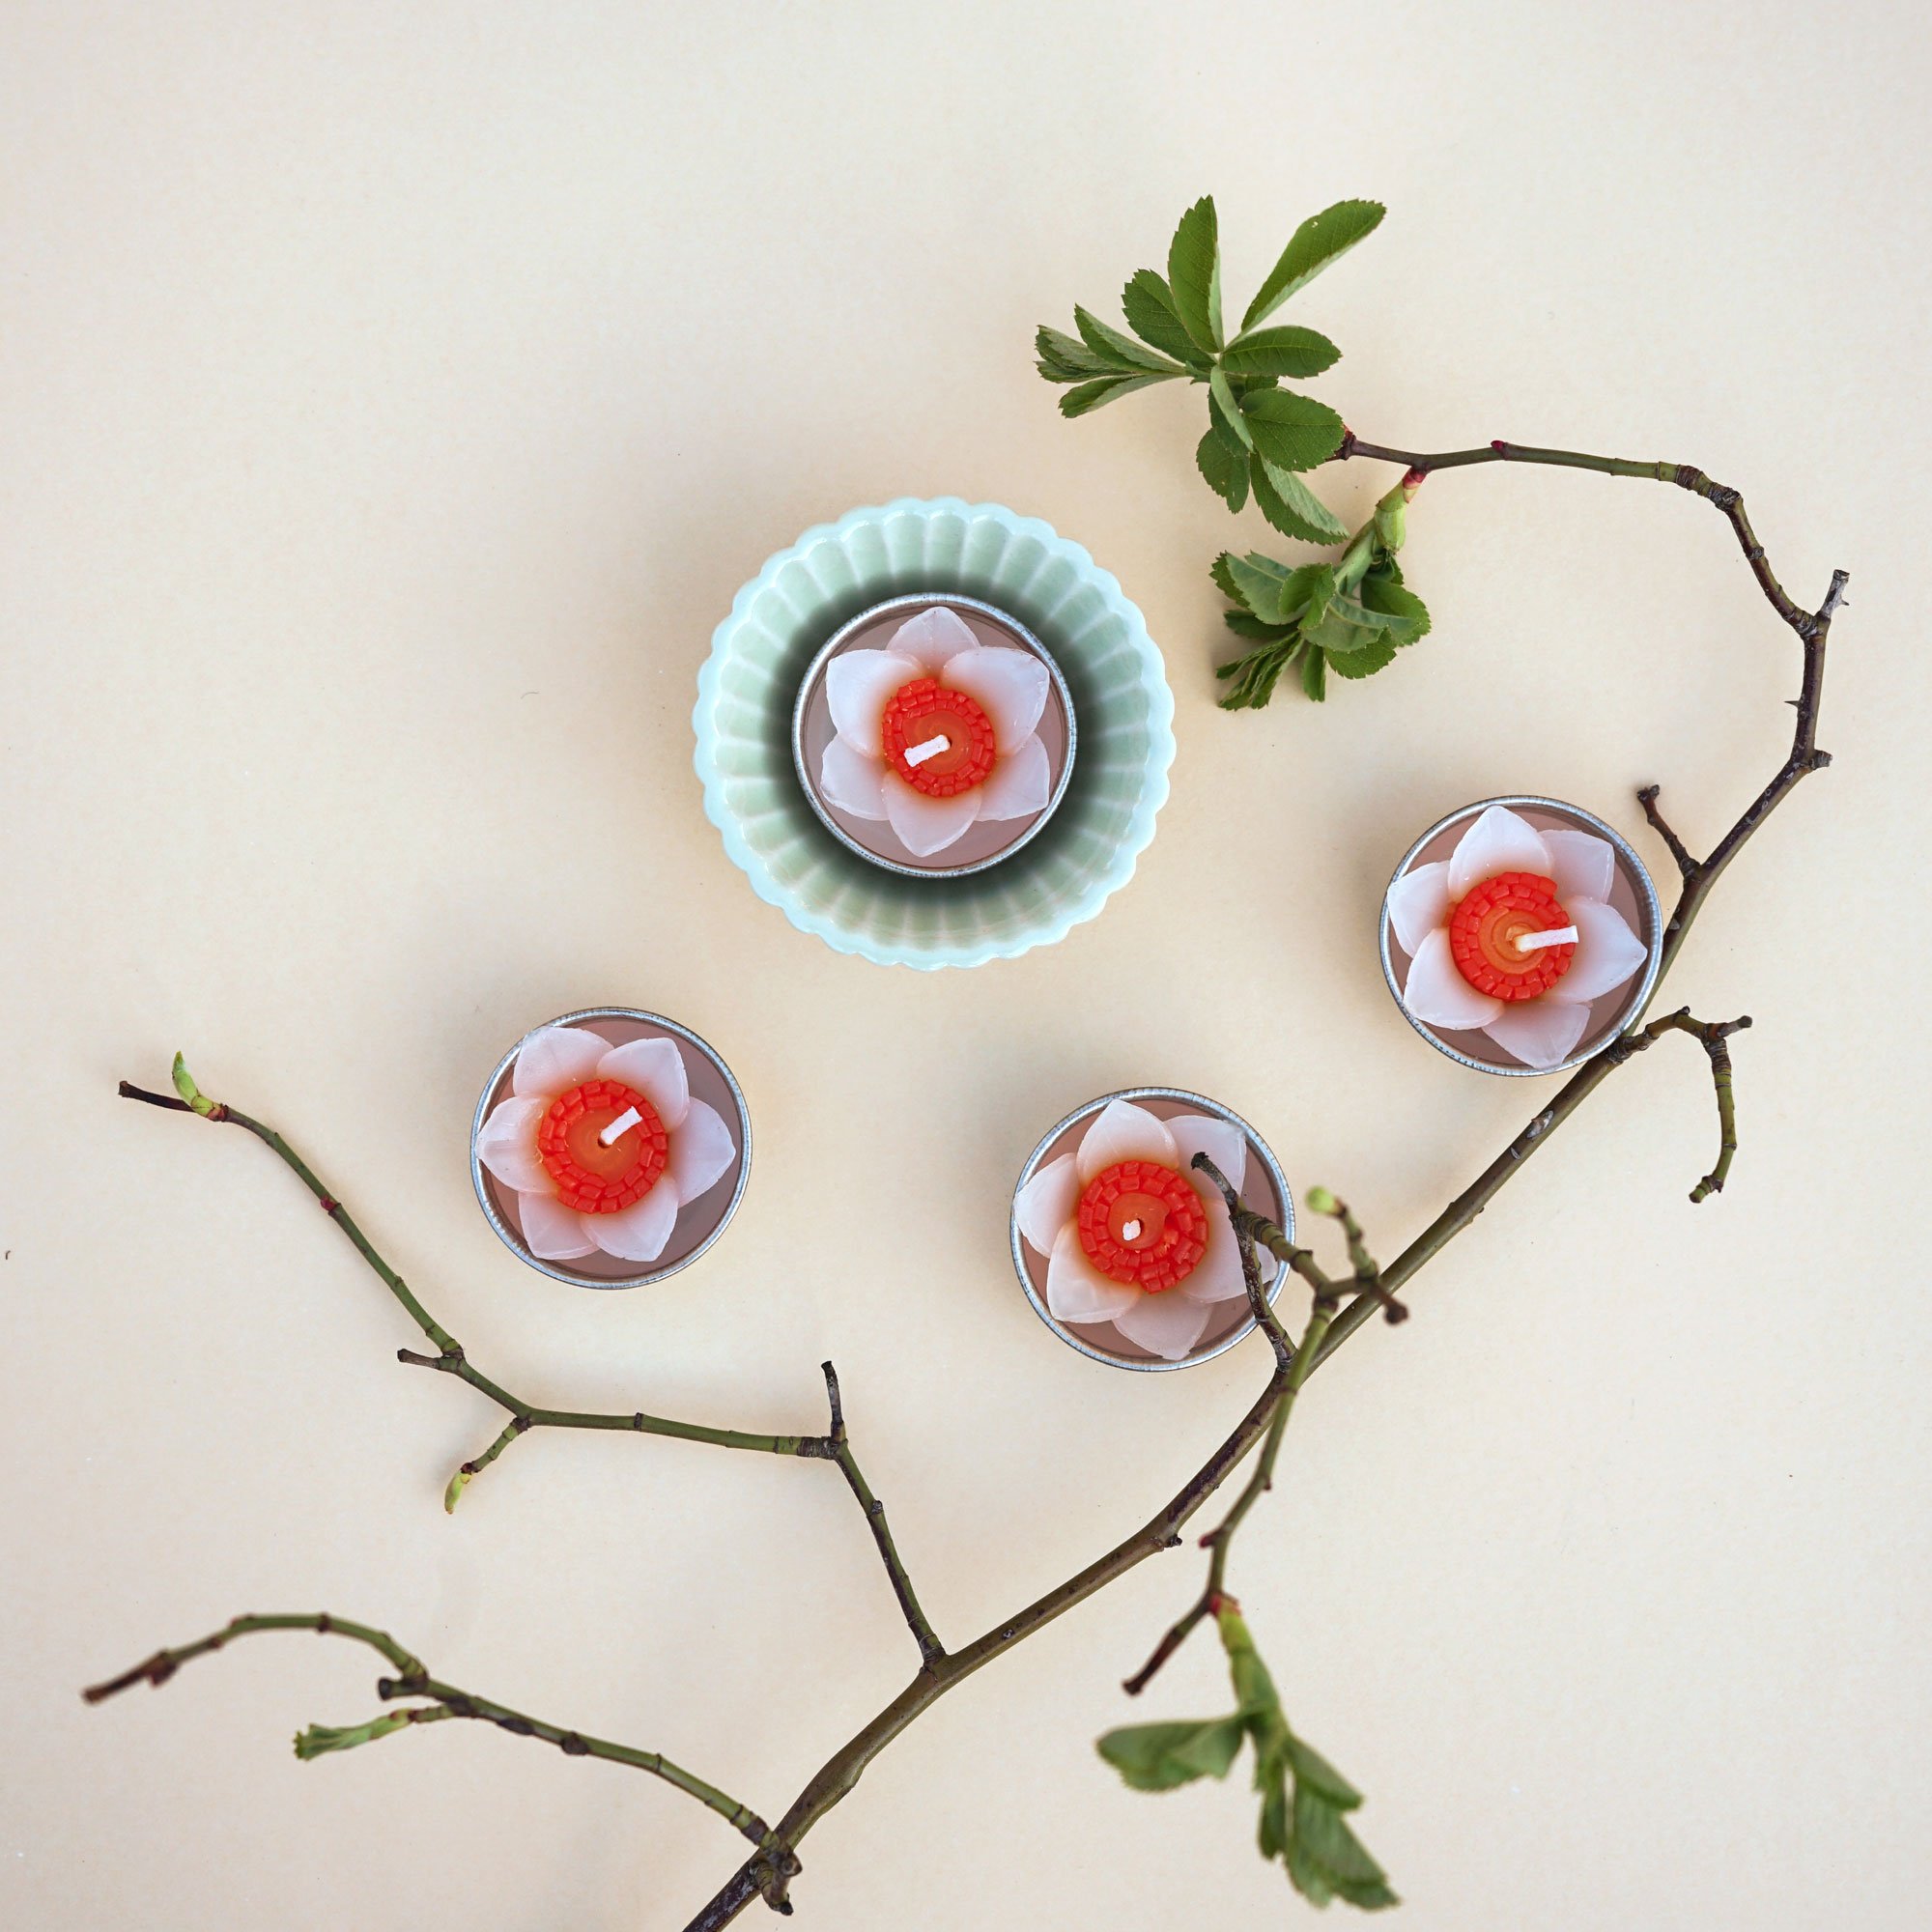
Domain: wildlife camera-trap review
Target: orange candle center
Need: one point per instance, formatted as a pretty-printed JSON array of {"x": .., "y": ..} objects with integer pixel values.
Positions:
[
  {"x": 1485, "y": 931},
  {"x": 923, "y": 712},
  {"x": 1142, "y": 1224},
  {"x": 591, "y": 1176}
]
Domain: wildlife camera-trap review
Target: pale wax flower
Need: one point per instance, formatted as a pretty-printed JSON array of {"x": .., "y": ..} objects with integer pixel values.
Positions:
[
  {"x": 1169, "y": 1320},
  {"x": 677, "y": 1150},
  {"x": 1004, "y": 685},
  {"x": 1541, "y": 1030}
]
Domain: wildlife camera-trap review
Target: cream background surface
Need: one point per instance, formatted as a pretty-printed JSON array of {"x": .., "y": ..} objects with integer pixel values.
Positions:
[{"x": 393, "y": 400}]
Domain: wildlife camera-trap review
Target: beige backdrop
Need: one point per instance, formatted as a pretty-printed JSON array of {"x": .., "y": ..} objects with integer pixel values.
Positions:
[{"x": 394, "y": 399}]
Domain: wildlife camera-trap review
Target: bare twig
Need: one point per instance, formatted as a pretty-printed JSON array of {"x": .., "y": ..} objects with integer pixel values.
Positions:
[{"x": 1714, "y": 1037}]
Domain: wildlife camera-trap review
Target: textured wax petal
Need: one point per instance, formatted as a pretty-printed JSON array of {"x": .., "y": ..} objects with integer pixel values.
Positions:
[
  {"x": 637, "y": 1232},
  {"x": 1222, "y": 1142},
  {"x": 858, "y": 685},
  {"x": 1540, "y": 1033},
  {"x": 934, "y": 638},
  {"x": 1418, "y": 902},
  {"x": 1439, "y": 995},
  {"x": 1009, "y": 685},
  {"x": 1076, "y": 1290},
  {"x": 926, "y": 826},
  {"x": 1166, "y": 1324},
  {"x": 1217, "y": 1275},
  {"x": 1123, "y": 1131},
  {"x": 1499, "y": 841},
  {"x": 1583, "y": 866},
  {"x": 702, "y": 1151},
  {"x": 851, "y": 780},
  {"x": 554, "y": 1058},
  {"x": 507, "y": 1146},
  {"x": 654, "y": 1069},
  {"x": 551, "y": 1231},
  {"x": 1608, "y": 954},
  {"x": 1045, "y": 1204},
  {"x": 1020, "y": 782}
]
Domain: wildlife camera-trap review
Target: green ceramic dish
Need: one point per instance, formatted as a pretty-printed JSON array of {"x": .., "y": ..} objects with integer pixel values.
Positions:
[{"x": 1097, "y": 638}]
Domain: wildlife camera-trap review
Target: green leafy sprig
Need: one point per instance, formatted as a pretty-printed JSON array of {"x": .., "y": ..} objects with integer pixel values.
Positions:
[
  {"x": 1304, "y": 1799},
  {"x": 1261, "y": 436},
  {"x": 1350, "y": 616}
]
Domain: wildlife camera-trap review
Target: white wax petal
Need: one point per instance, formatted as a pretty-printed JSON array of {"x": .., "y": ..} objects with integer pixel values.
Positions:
[
  {"x": 1046, "y": 1202},
  {"x": 551, "y": 1231},
  {"x": 702, "y": 1151},
  {"x": 1608, "y": 954},
  {"x": 857, "y": 686},
  {"x": 1076, "y": 1290},
  {"x": 927, "y": 826},
  {"x": 1167, "y": 1324},
  {"x": 1583, "y": 866},
  {"x": 1439, "y": 995},
  {"x": 654, "y": 1069},
  {"x": 554, "y": 1058},
  {"x": 1123, "y": 1131},
  {"x": 934, "y": 638},
  {"x": 1010, "y": 685},
  {"x": 1020, "y": 784},
  {"x": 852, "y": 781},
  {"x": 507, "y": 1146},
  {"x": 1499, "y": 841},
  {"x": 1540, "y": 1033},
  {"x": 1222, "y": 1142},
  {"x": 637, "y": 1232},
  {"x": 1418, "y": 902}
]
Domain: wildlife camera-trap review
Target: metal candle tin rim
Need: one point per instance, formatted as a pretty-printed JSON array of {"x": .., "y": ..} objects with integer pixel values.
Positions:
[
  {"x": 924, "y": 600},
  {"x": 561, "y": 1271},
  {"x": 1647, "y": 899},
  {"x": 1242, "y": 1328}
]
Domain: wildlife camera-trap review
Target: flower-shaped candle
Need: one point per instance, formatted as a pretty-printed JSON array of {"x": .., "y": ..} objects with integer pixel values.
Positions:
[
  {"x": 1527, "y": 927},
  {"x": 934, "y": 737},
  {"x": 1124, "y": 1245},
  {"x": 603, "y": 1144}
]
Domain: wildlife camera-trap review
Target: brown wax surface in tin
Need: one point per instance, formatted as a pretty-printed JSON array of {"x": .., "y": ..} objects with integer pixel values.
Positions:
[
  {"x": 696, "y": 1219},
  {"x": 1606, "y": 1013},
  {"x": 1257, "y": 1187},
  {"x": 982, "y": 840}
]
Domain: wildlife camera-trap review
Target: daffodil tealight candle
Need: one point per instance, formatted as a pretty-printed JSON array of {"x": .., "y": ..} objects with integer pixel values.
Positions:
[
  {"x": 1124, "y": 1246},
  {"x": 1520, "y": 935},
  {"x": 933, "y": 735},
  {"x": 611, "y": 1148}
]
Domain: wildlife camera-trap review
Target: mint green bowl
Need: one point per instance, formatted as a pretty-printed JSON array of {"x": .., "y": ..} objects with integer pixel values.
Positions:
[{"x": 1099, "y": 640}]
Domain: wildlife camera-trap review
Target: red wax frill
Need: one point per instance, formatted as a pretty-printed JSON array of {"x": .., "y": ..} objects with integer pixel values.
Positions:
[
  {"x": 1485, "y": 927},
  {"x": 589, "y": 1176},
  {"x": 926, "y": 709},
  {"x": 1173, "y": 1234}
]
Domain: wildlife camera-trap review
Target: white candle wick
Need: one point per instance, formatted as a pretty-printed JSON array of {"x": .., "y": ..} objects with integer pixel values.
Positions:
[
  {"x": 622, "y": 1124},
  {"x": 1130, "y": 1230},
  {"x": 918, "y": 755},
  {"x": 1559, "y": 935}
]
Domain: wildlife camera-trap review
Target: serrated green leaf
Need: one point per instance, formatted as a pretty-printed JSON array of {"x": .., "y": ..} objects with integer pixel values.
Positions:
[
  {"x": 1223, "y": 408},
  {"x": 1292, "y": 506},
  {"x": 1227, "y": 473},
  {"x": 1260, "y": 583},
  {"x": 1062, "y": 359},
  {"x": 1384, "y": 592},
  {"x": 1222, "y": 571},
  {"x": 1118, "y": 351},
  {"x": 1291, "y": 430},
  {"x": 1194, "y": 273},
  {"x": 1323, "y": 1835},
  {"x": 1109, "y": 389},
  {"x": 1306, "y": 1875},
  {"x": 1159, "y": 1757},
  {"x": 1147, "y": 303},
  {"x": 1258, "y": 630},
  {"x": 1315, "y": 673},
  {"x": 1321, "y": 240},
  {"x": 1313, "y": 1770},
  {"x": 1286, "y": 350},
  {"x": 1365, "y": 660}
]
